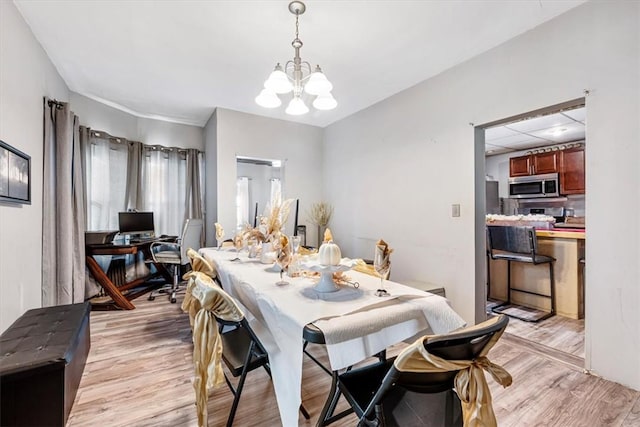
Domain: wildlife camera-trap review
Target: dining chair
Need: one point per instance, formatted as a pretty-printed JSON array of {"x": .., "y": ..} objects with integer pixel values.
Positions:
[
  {"x": 175, "y": 254},
  {"x": 417, "y": 387},
  {"x": 222, "y": 333},
  {"x": 201, "y": 265},
  {"x": 311, "y": 334}
]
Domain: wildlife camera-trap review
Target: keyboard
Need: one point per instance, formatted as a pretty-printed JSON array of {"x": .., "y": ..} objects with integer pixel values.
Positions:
[{"x": 142, "y": 239}]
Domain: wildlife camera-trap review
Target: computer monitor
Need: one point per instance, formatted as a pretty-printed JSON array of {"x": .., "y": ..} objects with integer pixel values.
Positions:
[{"x": 136, "y": 223}]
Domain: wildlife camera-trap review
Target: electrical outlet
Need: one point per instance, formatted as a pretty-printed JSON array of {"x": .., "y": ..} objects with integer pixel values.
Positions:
[{"x": 455, "y": 210}]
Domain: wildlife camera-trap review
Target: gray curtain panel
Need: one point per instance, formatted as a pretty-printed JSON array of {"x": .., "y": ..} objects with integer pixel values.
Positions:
[
  {"x": 193, "y": 199},
  {"x": 63, "y": 254},
  {"x": 134, "y": 198},
  {"x": 193, "y": 208},
  {"x": 85, "y": 135}
]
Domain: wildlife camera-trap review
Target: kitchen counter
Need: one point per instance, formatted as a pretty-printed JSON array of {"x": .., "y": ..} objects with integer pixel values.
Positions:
[
  {"x": 567, "y": 247},
  {"x": 566, "y": 233}
]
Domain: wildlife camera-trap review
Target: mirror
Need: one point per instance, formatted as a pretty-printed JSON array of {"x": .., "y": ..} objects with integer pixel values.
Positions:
[{"x": 258, "y": 180}]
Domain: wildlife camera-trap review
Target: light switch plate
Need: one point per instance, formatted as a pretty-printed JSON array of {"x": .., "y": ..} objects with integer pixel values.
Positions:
[{"x": 455, "y": 210}]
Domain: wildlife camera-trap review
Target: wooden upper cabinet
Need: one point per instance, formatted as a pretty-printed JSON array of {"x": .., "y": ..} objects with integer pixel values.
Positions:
[
  {"x": 534, "y": 164},
  {"x": 545, "y": 162},
  {"x": 520, "y": 166},
  {"x": 572, "y": 171}
]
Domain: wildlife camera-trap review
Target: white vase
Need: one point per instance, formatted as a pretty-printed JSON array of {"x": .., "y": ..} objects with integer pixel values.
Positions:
[{"x": 267, "y": 256}]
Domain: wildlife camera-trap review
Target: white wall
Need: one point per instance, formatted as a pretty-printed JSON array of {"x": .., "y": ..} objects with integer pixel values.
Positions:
[
  {"x": 102, "y": 117},
  {"x": 299, "y": 146},
  {"x": 26, "y": 76},
  {"x": 415, "y": 157}
]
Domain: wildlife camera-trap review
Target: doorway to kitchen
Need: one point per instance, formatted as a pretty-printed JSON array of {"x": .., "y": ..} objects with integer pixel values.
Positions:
[{"x": 534, "y": 176}]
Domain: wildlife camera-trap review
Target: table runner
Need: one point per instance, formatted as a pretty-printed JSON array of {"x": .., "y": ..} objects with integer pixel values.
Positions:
[{"x": 355, "y": 322}]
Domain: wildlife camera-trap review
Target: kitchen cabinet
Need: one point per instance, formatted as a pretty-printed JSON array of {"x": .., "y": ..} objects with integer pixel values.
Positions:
[
  {"x": 534, "y": 164},
  {"x": 545, "y": 162},
  {"x": 520, "y": 166},
  {"x": 572, "y": 171}
]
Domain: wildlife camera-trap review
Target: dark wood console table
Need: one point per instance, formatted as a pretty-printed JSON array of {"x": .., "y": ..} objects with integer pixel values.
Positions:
[{"x": 122, "y": 293}]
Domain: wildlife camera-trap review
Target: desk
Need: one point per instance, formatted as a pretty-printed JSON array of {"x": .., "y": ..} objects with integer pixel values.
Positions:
[
  {"x": 355, "y": 322},
  {"x": 118, "y": 292}
]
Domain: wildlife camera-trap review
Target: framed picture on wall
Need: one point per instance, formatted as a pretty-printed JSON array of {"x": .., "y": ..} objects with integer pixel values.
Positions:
[{"x": 15, "y": 175}]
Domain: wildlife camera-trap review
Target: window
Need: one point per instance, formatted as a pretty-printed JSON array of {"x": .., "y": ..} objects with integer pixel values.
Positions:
[
  {"x": 242, "y": 201},
  {"x": 161, "y": 181},
  {"x": 106, "y": 183},
  {"x": 276, "y": 189},
  {"x": 164, "y": 188}
]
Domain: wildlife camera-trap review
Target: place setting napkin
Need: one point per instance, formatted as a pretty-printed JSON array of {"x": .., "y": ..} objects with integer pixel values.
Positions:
[{"x": 382, "y": 264}]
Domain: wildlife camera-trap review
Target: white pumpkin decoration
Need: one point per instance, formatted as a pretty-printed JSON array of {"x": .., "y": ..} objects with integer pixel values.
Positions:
[{"x": 329, "y": 254}]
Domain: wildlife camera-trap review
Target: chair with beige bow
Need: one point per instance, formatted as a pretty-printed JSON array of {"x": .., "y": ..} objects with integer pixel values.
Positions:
[
  {"x": 221, "y": 332},
  {"x": 436, "y": 381},
  {"x": 200, "y": 265},
  {"x": 200, "y": 268}
]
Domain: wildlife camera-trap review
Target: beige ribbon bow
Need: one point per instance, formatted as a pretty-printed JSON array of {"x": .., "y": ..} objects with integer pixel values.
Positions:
[
  {"x": 470, "y": 382},
  {"x": 199, "y": 264},
  {"x": 207, "y": 344},
  {"x": 205, "y": 272}
]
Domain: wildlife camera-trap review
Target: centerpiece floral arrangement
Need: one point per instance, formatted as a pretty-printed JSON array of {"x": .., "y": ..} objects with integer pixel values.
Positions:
[
  {"x": 274, "y": 218},
  {"x": 320, "y": 215}
]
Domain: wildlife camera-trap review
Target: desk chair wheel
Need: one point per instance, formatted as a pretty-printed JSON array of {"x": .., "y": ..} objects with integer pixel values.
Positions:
[
  {"x": 173, "y": 297},
  {"x": 151, "y": 297}
]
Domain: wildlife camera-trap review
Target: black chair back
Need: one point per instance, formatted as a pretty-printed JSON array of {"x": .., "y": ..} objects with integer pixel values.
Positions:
[
  {"x": 520, "y": 240},
  {"x": 368, "y": 388},
  {"x": 465, "y": 345}
]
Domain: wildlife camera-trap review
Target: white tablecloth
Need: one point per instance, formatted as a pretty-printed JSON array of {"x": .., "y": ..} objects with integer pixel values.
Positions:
[{"x": 355, "y": 322}]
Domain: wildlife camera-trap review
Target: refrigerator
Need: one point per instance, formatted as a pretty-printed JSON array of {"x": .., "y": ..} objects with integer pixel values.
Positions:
[{"x": 493, "y": 200}]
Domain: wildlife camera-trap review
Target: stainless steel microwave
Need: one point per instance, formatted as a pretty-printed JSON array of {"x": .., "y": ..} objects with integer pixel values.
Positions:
[{"x": 524, "y": 187}]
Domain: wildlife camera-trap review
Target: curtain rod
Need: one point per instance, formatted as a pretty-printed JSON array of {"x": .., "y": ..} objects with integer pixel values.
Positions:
[
  {"x": 59, "y": 105},
  {"x": 106, "y": 135}
]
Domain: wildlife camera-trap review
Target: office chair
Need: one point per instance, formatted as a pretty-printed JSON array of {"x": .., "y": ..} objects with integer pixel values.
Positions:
[
  {"x": 417, "y": 387},
  {"x": 176, "y": 254},
  {"x": 221, "y": 331}
]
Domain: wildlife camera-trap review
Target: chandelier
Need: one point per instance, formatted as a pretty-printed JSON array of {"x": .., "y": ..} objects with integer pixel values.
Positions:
[{"x": 298, "y": 77}]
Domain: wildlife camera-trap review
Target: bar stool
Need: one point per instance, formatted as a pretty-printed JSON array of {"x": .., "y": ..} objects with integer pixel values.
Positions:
[{"x": 520, "y": 244}]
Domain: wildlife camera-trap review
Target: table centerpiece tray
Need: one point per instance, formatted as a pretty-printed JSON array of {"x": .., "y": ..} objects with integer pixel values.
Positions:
[{"x": 326, "y": 282}]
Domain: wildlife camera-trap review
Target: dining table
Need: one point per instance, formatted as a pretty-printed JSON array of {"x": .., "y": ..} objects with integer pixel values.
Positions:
[{"x": 355, "y": 322}]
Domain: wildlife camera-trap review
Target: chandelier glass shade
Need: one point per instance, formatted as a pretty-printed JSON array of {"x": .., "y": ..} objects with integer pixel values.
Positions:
[{"x": 299, "y": 78}]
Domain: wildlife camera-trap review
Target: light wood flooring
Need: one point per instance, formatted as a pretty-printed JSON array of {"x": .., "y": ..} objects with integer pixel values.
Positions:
[
  {"x": 139, "y": 373},
  {"x": 557, "y": 333}
]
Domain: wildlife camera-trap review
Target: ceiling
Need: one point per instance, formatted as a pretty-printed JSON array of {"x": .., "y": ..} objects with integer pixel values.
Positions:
[
  {"x": 551, "y": 129},
  {"x": 178, "y": 60}
]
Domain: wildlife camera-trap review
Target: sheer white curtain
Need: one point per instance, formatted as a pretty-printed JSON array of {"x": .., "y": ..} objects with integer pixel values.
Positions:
[
  {"x": 242, "y": 201},
  {"x": 164, "y": 183},
  {"x": 276, "y": 189},
  {"x": 106, "y": 182}
]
